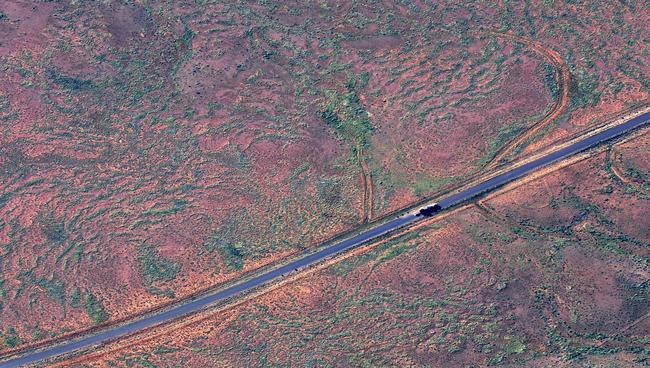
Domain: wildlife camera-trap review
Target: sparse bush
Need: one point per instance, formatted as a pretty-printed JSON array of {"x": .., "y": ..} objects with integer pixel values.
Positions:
[
  {"x": 71, "y": 83},
  {"x": 154, "y": 267},
  {"x": 232, "y": 255},
  {"x": 584, "y": 88},
  {"x": 53, "y": 228},
  {"x": 94, "y": 308},
  {"x": 11, "y": 338},
  {"x": 53, "y": 288},
  {"x": 329, "y": 191},
  {"x": 550, "y": 80},
  {"x": 74, "y": 300},
  {"x": 349, "y": 119}
]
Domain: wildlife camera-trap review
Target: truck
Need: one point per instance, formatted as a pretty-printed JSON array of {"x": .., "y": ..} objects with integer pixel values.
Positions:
[{"x": 429, "y": 210}]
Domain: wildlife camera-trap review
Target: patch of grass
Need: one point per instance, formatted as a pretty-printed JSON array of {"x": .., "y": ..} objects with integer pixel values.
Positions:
[
  {"x": 613, "y": 244},
  {"x": 515, "y": 346},
  {"x": 53, "y": 228},
  {"x": 550, "y": 80},
  {"x": 348, "y": 118},
  {"x": 162, "y": 349},
  {"x": 523, "y": 232},
  {"x": 503, "y": 136},
  {"x": 295, "y": 173},
  {"x": 583, "y": 89},
  {"x": 329, "y": 191},
  {"x": 608, "y": 189},
  {"x": 167, "y": 292},
  {"x": 633, "y": 172},
  {"x": 10, "y": 337},
  {"x": 65, "y": 251},
  {"x": 137, "y": 360},
  {"x": 343, "y": 267},
  {"x": 232, "y": 255},
  {"x": 71, "y": 83},
  {"x": 481, "y": 235},
  {"x": 425, "y": 185},
  {"x": 36, "y": 333},
  {"x": 154, "y": 267},
  {"x": 397, "y": 247},
  {"x": 54, "y": 288},
  {"x": 74, "y": 299},
  {"x": 4, "y": 102},
  {"x": 585, "y": 207},
  {"x": 94, "y": 308},
  {"x": 177, "y": 205},
  {"x": 231, "y": 251}
]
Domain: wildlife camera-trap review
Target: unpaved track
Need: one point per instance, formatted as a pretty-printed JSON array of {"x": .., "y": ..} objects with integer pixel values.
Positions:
[
  {"x": 615, "y": 160},
  {"x": 366, "y": 203},
  {"x": 369, "y": 234},
  {"x": 556, "y": 110},
  {"x": 562, "y": 76}
]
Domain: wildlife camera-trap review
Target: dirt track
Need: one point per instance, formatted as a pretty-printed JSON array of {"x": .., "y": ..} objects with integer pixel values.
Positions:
[
  {"x": 366, "y": 204},
  {"x": 562, "y": 76},
  {"x": 555, "y": 111},
  {"x": 202, "y": 315}
]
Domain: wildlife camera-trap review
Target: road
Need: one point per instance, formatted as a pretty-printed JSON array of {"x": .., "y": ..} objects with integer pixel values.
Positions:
[{"x": 309, "y": 259}]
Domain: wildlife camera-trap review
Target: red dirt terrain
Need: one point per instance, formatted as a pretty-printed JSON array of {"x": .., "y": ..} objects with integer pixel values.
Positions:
[
  {"x": 545, "y": 274},
  {"x": 147, "y": 158},
  {"x": 153, "y": 150}
]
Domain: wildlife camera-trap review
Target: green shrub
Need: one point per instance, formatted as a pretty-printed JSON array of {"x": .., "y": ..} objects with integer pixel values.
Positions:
[
  {"x": 349, "y": 119},
  {"x": 94, "y": 308},
  {"x": 584, "y": 88},
  {"x": 231, "y": 255},
  {"x": 154, "y": 267},
  {"x": 74, "y": 299},
  {"x": 11, "y": 338}
]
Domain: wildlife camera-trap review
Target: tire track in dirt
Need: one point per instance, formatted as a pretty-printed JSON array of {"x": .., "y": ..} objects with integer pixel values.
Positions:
[
  {"x": 563, "y": 78},
  {"x": 615, "y": 158},
  {"x": 335, "y": 258},
  {"x": 366, "y": 203},
  {"x": 562, "y": 75}
]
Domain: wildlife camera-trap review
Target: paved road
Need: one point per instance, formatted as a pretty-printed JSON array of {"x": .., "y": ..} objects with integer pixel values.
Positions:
[{"x": 445, "y": 203}]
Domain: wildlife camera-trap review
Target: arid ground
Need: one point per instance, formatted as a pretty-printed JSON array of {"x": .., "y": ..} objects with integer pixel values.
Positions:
[
  {"x": 151, "y": 150},
  {"x": 546, "y": 273}
]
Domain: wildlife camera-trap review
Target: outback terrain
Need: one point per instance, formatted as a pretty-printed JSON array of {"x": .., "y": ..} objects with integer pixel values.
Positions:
[
  {"x": 550, "y": 273},
  {"x": 153, "y": 150}
]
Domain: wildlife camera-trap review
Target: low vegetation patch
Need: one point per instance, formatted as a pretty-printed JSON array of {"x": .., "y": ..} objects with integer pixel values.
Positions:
[{"x": 154, "y": 268}]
